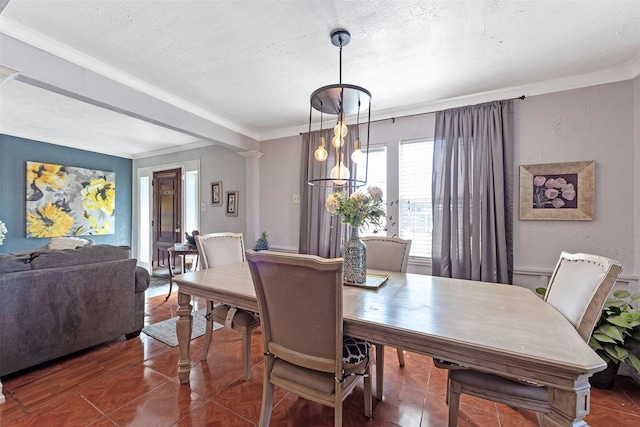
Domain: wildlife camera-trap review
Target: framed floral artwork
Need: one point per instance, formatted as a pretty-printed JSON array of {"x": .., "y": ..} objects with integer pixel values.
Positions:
[
  {"x": 558, "y": 191},
  {"x": 216, "y": 193},
  {"x": 232, "y": 203},
  {"x": 69, "y": 201}
]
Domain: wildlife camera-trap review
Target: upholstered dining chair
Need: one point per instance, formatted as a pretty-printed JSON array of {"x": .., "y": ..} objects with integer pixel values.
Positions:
[
  {"x": 219, "y": 249},
  {"x": 578, "y": 289},
  {"x": 388, "y": 254},
  {"x": 306, "y": 353}
]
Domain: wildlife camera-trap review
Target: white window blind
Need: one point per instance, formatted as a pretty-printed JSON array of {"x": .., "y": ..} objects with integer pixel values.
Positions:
[{"x": 416, "y": 218}]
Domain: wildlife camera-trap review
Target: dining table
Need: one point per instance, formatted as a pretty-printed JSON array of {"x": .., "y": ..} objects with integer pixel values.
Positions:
[{"x": 496, "y": 328}]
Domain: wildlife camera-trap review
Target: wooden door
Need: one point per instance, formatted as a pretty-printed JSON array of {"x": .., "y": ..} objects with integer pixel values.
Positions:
[{"x": 167, "y": 213}]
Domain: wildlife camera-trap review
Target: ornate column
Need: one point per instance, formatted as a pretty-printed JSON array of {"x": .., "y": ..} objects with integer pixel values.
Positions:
[{"x": 252, "y": 201}]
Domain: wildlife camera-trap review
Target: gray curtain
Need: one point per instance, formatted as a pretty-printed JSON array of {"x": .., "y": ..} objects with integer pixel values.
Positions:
[
  {"x": 472, "y": 190},
  {"x": 320, "y": 233}
]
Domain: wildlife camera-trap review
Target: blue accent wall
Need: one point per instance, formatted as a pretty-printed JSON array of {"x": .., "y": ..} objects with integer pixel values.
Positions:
[{"x": 14, "y": 154}]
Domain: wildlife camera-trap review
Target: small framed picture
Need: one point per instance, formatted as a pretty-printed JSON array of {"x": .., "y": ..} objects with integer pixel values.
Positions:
[
  {"x": 216, "y": 193},
  {"x": 232, "y": 203}
]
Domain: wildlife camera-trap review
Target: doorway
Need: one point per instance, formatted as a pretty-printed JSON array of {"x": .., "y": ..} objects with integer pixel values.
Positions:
[{"x": 167, "y": 214}]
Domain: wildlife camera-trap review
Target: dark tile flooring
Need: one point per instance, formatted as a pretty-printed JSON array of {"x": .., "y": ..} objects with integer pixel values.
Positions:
[{"x": 135, "y": 383}]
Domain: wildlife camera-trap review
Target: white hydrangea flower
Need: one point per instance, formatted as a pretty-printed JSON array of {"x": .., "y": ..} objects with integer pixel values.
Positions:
[
  {"x": 333, "y": 203},
  {"x": 375, "y": 192}
]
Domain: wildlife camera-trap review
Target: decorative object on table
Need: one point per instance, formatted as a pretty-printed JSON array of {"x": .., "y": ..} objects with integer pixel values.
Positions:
[
  {"x": 558, "y": 191},
  {"x": 216, "y": 193},
  {"x": 262, "y": 244},
  {"x": 358, "y": 210},
  {"x": 191, "y": 241},
  {"x": 232, "y": 203},
  {"x": 3, "y": 232},
  {"x": 340, "y": 100},
  {"x": 69, "y": 201},
  {"x": 616, "y": 334}
]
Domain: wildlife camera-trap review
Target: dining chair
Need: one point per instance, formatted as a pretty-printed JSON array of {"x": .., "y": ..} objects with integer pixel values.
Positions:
[
  {"x": 305, "y": 350},
  {"x": 219, "y": 249},
  {"x": 388, "y": 254},
  {"x": 578, "y": 289}
]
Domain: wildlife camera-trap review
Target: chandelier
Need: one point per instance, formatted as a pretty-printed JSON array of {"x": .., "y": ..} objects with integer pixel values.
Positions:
[{"x": 341, "y": 100}]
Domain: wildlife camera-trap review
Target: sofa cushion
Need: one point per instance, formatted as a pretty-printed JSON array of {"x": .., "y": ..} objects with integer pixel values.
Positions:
[
  {"x": 10, "y": 263},
  {"x": 51, "y": 258},
  {"x": 68, "y": 243}
]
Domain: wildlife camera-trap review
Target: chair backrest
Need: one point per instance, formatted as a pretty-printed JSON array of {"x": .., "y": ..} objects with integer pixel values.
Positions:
[
  {"x": 387, "y": 253},
  {"x": 579, "y": 287},
  {"x": 219, "y": 248},
  {"x": 300, "y": 300}
]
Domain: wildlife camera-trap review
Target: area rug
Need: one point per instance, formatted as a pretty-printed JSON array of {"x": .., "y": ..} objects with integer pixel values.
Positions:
[
  {"x": 165, "y": 331},
  {"x": 156, "y": 281}
]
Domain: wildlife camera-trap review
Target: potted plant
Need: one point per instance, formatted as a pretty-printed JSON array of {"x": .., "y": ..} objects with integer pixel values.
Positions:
[
  {"x": 615, "y": 336},
  {"x": 262, "y": 244}
]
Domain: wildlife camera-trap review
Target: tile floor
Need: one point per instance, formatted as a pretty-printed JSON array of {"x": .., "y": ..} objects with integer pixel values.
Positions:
[{"x": 135, "y": 383}]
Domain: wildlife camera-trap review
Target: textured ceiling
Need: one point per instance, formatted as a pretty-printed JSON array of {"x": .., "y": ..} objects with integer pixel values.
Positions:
[{"x": 250, "y": 66}]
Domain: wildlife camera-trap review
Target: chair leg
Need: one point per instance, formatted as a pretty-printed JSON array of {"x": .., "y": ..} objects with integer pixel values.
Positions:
[
  {"x": 367, "y": 392},
  {"x": 379, "y": 370},
  {"x": 246, "y": 349},
  {"x": 453, "y": 397},
  {"x": 400, "y": 356},
  {"x": 337, "y": 414},
  {"x": 267, "y": 401},
  {"x": 208, "y": 331}
]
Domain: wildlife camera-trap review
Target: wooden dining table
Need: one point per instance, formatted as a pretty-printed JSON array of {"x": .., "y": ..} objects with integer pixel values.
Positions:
[{"x": 502, "y": 329}]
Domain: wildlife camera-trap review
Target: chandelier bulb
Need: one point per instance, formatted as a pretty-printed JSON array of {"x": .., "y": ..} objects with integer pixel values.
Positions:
[
  {"x": 321, "y": 154},
  {"x": 357, "y": 156},
  {"x": 337, "y": 142},
  {"x": 340, "y": 127},
  {"x": 340, "y": 173}
]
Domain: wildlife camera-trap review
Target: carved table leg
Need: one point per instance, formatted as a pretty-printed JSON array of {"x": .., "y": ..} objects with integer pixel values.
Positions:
[
  {"x": 569, "y": 407},
  {"x": 183, "y": 331}
]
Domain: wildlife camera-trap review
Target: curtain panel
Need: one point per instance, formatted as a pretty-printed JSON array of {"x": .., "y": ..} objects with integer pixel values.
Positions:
[
  {"x": 472, "y": 190},
  {"x": 320, "y": 233}
]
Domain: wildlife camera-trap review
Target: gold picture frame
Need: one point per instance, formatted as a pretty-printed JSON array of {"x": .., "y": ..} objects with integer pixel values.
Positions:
[
  {"x": 216, "y": 193},
  {"x": 558, "y": 191},
  {"x": 232, "y": 203}
]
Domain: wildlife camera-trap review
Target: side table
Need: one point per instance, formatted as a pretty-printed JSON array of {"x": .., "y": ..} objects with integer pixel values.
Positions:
[{"x": 182, "y": 252}]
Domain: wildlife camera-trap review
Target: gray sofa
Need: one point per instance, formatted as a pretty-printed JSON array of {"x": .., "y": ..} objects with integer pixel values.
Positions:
[{"x": 56, "y": 302}]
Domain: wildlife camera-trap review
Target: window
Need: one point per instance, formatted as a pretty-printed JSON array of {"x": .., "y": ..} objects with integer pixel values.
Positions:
[
  {"x": 377, "y": 176},
  {"x": 403, "y": 171},
  {"x": 414, "y": 174}
]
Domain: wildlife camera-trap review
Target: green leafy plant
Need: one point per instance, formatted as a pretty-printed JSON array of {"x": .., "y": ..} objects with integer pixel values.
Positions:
[
  {"x": 262, "y": 244},
  {"x": 617, "y": 331}
]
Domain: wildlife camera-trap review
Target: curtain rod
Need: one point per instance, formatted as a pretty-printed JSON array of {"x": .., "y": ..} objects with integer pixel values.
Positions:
[{"x": 393, "y": 119}]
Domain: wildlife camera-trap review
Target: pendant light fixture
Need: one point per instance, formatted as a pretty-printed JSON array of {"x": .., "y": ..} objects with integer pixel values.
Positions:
[{"x": 341, "y": 100}]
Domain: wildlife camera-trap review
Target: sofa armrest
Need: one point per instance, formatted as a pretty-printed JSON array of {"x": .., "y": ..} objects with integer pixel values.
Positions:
[{"x": 142, "y": 279}]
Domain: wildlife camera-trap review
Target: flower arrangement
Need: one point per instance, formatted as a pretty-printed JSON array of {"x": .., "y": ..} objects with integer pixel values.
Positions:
[
  {"x": 552, "y": 191},
  {"x": 360, "y": 209},
  {"x": 3, "y": 231}
]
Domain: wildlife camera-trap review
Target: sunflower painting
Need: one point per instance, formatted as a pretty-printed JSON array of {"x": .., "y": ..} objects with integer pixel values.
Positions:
[{"x": 69, "y": 201}]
